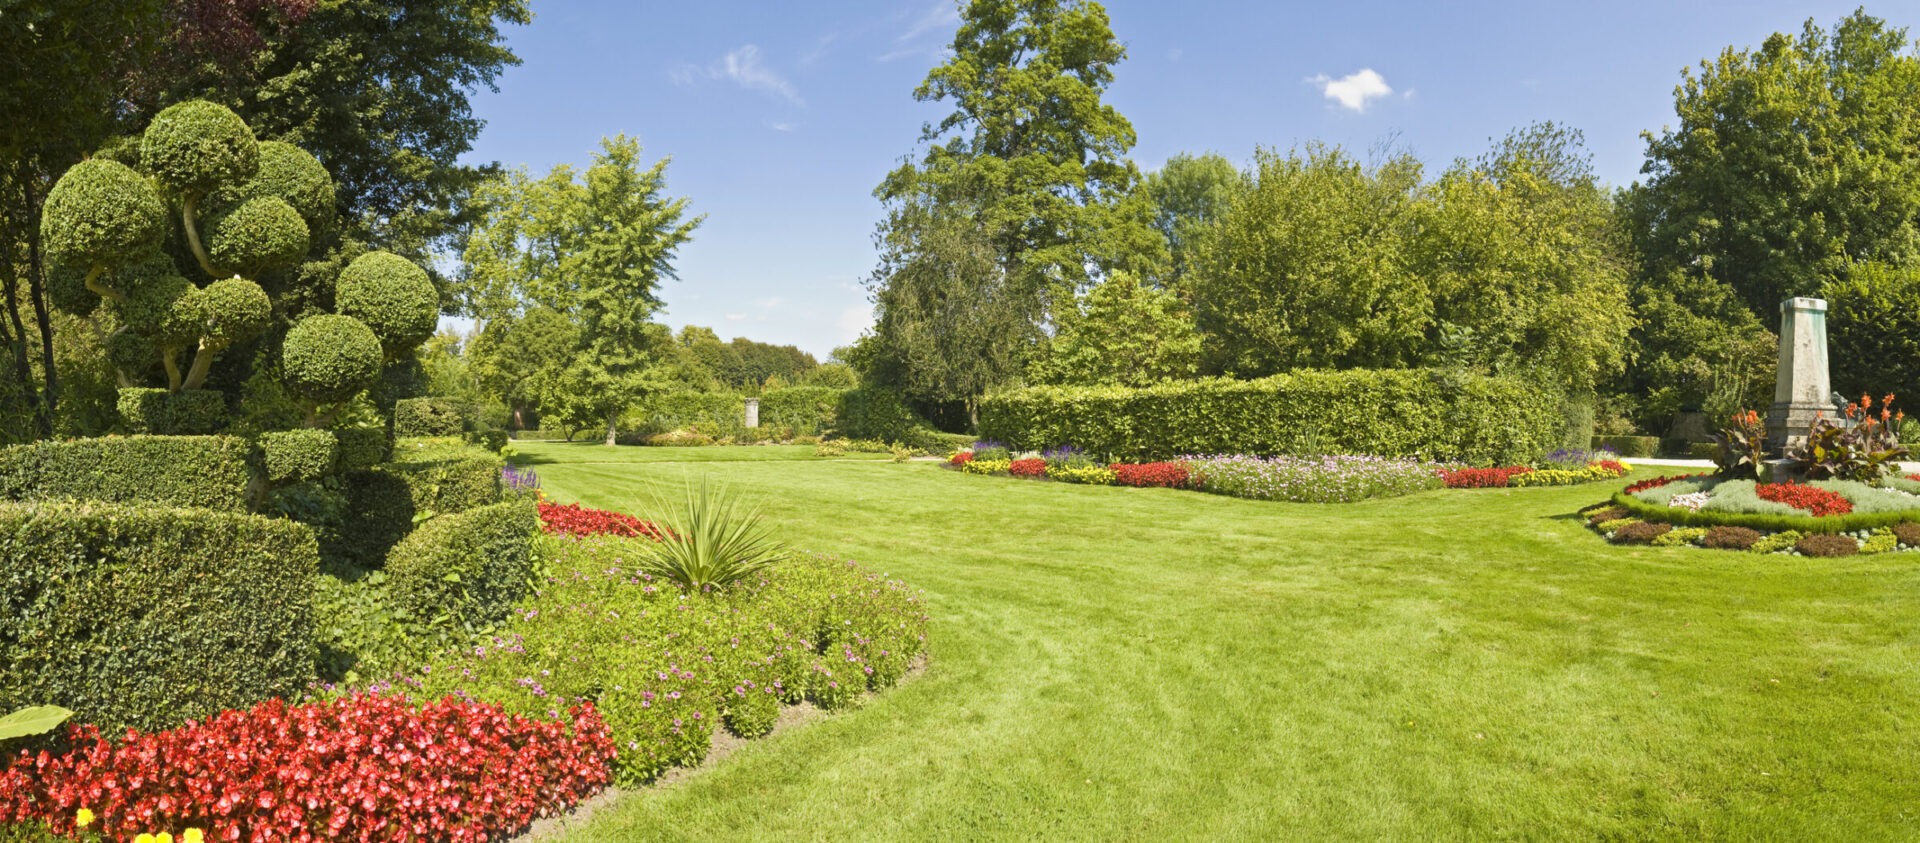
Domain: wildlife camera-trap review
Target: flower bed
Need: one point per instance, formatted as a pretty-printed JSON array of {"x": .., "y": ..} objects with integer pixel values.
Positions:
[
  {"x": 1168, "y": 475},
  {"x": 1303, "y": 479},
  {"x": 364, "y": 767},
  {"x": 1817, "y": 518},
  {"x": 1519, "y": 476},
  {"x": 576, "y": 520},
  {"x": 1481, "y": 478}
]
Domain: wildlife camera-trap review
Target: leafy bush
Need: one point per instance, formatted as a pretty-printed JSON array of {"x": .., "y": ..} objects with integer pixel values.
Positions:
[
  {"x": 1312, "y": 479},
  {"x": 680, "y": 439},
  {"x": 1168, "y": 475},
  {"x": 392, "y": 296},
  {"x": 667, "y": 667},
  {"x": 805, "y": 410},
  {"x": 384, "y": 503},
  {"x": 1880, "y": 541},
  {"x": 327, "y": 359},
  {"x": 1867, "y": 450},
  {"x": 872, "y": 412},
  {"x": 980, "y": 466},
  {"x": 830, "y": 448},
  {"x": 1730, "y": 538},
  {"x": 1398, "y": 413},
  {"x": 1827, "y": 544},
  {"x": 492, "y": 440},
  {"x": 1680, "y": 537},
  {"x": 356, "y": 768},
  {"x": 1613, "y": 525},
  {"x": 989, "y": 450},
  {"x": 1629, "y": 446},
  {"x": 203, "y": 472},
  {"x": 360, "y": 448},
  {"x": 428, "y": 417},
  {"x": 1777, "y": 542},
  {"x": 465, "y": 570},
  {"x": 1643, "y": 532},
  {"x": 190, "y": 412},
  {"x": 710, "y": 541},
  {"x": 292, "y": 456},
  {"x": 146, "y": 616},
  {"x": 1740, "y": 451}
]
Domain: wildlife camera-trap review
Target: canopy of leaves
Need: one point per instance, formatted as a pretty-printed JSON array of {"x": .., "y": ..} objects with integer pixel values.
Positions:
[{"x": 1122, "y": 332}]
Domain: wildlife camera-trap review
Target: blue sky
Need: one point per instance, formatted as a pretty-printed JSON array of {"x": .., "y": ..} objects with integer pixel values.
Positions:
[{"x": 782, "y": 117}]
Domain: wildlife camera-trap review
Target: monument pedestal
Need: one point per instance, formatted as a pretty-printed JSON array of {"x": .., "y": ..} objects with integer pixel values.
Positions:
[{"x": 1803, "y": 390}]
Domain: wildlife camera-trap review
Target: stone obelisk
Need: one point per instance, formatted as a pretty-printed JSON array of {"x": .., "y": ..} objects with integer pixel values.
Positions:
[{"x": 1804, "y": 388}]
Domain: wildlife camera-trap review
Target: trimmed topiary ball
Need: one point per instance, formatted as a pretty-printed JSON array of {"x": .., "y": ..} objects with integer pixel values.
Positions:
[
  {"x": 291, "y": 174},
  {"x": 329, "y": 359},
  {"x": 393, "y": 296},
  {"x": 1730, "y": 538},
  {"x": 256, "y": 236},
  {"x": 101, "y": 213},
  {"x": 169, "y": 310},
  {"x": 236, "y": 311},
  {"x": 1827, "y": 544},
  {"x": 197, "y": 147}
]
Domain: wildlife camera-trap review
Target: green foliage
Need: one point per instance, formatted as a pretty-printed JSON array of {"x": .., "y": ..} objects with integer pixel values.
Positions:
[
  {"x": 361, "y": 448},
  {"x": 196, "y": 147},
  {"x": 1629, "y": 446},
  {"x": 1680, "y": 537},
  {"x": 1873, "y": 329},
  {"x": 393, "y": 296},
  {"x": 101, "y": 214},
  {"x": 327, "y": 359},
  {"x": 1411, "y": 413},
  {"x": 257, "y": 236},
  {"x": 712, "y": 540},
  {"x": 803, "y": 410},
  {"x": 874, "y": 412},
  {"x": 237, "y": 311},
  {"x": 1121, "y": 333},
  {"x": 145, "y": 616},
  {"x": 465, "y": 570},
  {"x": 292, "y": 456},
  {"x": 1776, "y": 542},
  {"x": 293, "y": 175},
  {"x": 202, "y": 472},
  {"x": 192, "y": 412},
  {"x": 1882, "y": 540},
  {"x": 168, "y": 310},
  {"x": 1190, "y": 194},
  {"x": 428, "y": 417},
  {"x": 1740, "y": 448},
  {"x": 516, "y": 356},
  {"x": 425, "y": 480}
]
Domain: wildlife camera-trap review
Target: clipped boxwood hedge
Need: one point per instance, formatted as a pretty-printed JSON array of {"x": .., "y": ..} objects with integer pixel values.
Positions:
[
  {"x": 144, "y": 616},
  {"x": 384, "y": 503},
  {"x": 1393, "y": 413},
  {"x": 292, "y": 456},
  {"x": 205, "y": 472},
  {"x": 192, "y": 412},
  {"x": 428, "y": 417},
  {"x": 467, "y": 569},
  {"x": 1764, "y": 522},
  {"x": 361, "y": 448},
  {"x": 1629, "y": 446}
]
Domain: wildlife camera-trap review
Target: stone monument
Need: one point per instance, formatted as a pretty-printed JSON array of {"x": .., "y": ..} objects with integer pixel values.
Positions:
[
  {"x": 753, "y": 404},
  {"x": 1804, "y": 389}
]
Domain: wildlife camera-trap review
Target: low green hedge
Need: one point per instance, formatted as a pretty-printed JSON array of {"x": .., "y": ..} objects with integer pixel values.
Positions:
[
  {"x": 1629, "y": 446},
  {"x": 1424, "y": 414},
  {"x": 1763, "y": 522},
  {"x": 361, "y": 448},
  {"x": 465, "y": 570},
  {"x": 292, "y": 456},
  {"x": 143, "y": 616},
  {"x": 429, "y": 417},
  {"x": 203, "y": 472},
  {"x": 193, "y": 412}
]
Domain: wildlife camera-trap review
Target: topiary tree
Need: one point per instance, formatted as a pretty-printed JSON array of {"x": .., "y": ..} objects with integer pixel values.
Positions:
[{"x": 235, "y": 210}]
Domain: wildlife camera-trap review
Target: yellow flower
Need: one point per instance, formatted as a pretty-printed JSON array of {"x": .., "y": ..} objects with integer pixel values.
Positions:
[
  {"x": 163, "y": 837},
  {"x": 192, "y": 835},
  {"x": 82, "y": 818},
  {"x": 144, "y": 837}
]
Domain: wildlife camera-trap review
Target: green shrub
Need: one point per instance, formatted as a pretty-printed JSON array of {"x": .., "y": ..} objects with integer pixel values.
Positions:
[
  {"x": 292, "y": 456},
  {"x": 830, "y": 448},
  {"x": 191, "y": 412},
  {"x": 143, "y": 616},
  {"x": 872, "y": 412},
  {"x": 384, "y": 503},
  {"x": 1827, "y": 544},
  {"x": 465, "y": 570},
  {"x": 203, "y": 472},
  {"x": 196, "y": 146},
  {"x": 327, "y": 359},
  {"x": 291, "y": 174},
  {"x": 1394, "y": 413},
  {"x": 1629, "y": 446},
  {"x": 1776, "y": 542},
  {"x": 1881, "y": 541},
  {"x": 492, "y": 440},
  {"x": 713, "y": 540},
  {"x": 708, "y": 413},
  {"x": 258, "y": 235},
  {"x": 100, "y": 212},
  {"x": 807, "y": 410},
  {"x": 1702, "y": 450},
  {"x": 361, "y": 448},
  {"x": 1614, "y": 524},
  {"x": 391, "y": 295},
  {"x": 1680, "y": 537},
  {"x": 428, "y": 417}
]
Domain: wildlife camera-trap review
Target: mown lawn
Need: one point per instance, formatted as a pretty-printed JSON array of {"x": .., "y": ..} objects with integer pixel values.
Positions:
[{"x": 1153, "y": 664}]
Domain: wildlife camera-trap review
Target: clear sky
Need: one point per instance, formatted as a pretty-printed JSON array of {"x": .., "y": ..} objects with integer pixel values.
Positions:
[{"x": 781, "y": 117}]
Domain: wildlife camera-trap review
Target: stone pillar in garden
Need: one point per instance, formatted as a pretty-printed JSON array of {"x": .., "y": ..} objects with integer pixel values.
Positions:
[
  {"x": 753, "y": 412},
  {"x": 1804, "y": 388}
]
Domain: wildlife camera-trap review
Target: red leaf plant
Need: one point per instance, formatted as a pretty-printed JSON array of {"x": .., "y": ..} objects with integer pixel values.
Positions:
[
  {"x": 1170, "y": 475},
  {"x": 364, "y": 767},
  {"x": 576, "y": 520},
  {"x": 1820, "y": 502}
]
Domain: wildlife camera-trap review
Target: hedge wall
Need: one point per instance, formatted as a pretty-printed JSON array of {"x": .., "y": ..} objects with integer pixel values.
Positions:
[
  {"x": 1413, "y": 413},
  {"x": 192, "y": 412},
  {"x": 143, "y": 616},
  {"x": 808, "y": 410},
  {"x": 466, "y": 570},
  {"x": 204, "y": 472},
  {"x": 1629, "y": 446},
  {"x": 384, "y": 503}
]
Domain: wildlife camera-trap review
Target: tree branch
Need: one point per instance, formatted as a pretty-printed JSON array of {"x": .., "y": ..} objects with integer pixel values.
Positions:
[{"x": 193, "y": 236}]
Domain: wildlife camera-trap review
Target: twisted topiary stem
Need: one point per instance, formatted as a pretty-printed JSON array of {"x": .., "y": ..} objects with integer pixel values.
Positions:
[
  {"x": 173, "y": 367},
  {"x": 102, "y": 290},
  {"x": 202, "y": 363},
  {"x": 193, "y": 235}
]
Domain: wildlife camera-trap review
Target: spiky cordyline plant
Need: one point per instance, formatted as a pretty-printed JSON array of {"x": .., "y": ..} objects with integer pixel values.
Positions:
[{"x": 710, "y": 541}]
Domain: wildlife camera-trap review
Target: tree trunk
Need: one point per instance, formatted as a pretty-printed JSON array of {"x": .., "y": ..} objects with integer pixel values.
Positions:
[
  {"x": 613, "y": 419},
  {"x": 37, "y": 290},
  {"x": 17, "y": 342},
  {"x": 973, "y": 414}
]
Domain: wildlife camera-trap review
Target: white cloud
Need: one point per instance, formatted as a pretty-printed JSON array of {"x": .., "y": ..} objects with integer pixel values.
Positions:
[
  {"x": 939, "y": 17},
  {"x": 783, "y": 126},
  {"x": 742, "y": 67},
  {"x": 1355, "y": 90}
]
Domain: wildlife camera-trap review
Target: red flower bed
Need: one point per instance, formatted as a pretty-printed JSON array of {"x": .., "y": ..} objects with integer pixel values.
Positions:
[
  {"x": 356, "y": 768},
  {"x": 1914, "y": 477},
  {"x": 1817, "y": 501},
  {"x": 1035, "y": 467},
  {"x": 1171, "y": 475},
  {"x": 1481, "y": 478},
  {"x": 960, "y": 459},
  {"x": 1613, "y": 467},
  {"x": 576, "y": 520},
  {"x": 1657, "y": 482}
]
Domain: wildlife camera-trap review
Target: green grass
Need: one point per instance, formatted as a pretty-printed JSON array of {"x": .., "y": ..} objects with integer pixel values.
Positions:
[{"x": 1154, "y": 664}]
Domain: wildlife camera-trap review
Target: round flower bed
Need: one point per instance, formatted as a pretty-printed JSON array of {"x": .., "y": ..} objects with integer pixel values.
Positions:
[{"x": 1817, "y": 518}]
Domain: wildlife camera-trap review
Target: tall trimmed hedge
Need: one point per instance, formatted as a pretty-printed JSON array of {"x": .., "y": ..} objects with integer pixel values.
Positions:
[
  {"x": 192, "y": 412},
  {"x": 809, "y": 410},
  {"x": 1412, "y": 413},
  {"x": 204, "y": 472},
  {"x": 144, "y": 616},
  {"x": 873, "y": 412},
  {"x": 384, "y": 503}
]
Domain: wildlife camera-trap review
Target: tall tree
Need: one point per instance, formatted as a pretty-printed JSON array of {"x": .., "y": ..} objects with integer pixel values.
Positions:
[
  {"x": 1788, "y": 163},
  {"x": 1190, "y": 193},
  {"x": 1036, "y": 162},
  {"x": 593, "y": 247},
  {"x": 1121, "y": 332}
]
